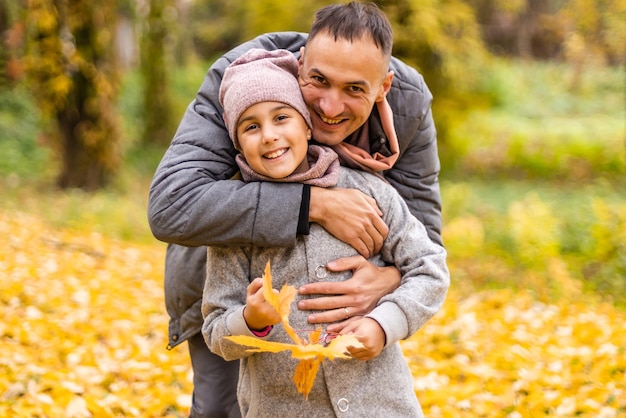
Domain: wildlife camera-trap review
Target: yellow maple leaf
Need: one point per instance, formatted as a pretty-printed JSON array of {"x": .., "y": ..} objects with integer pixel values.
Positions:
[
  {"x": 310, "y": 352},
  {"x": 336, "y": 349},
  {"x": 305, "y": 374},
  {"x": 281, "y": 301}
]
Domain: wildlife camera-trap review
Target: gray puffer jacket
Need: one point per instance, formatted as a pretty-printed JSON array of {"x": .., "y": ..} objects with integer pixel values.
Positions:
[{"x": 189, "y": 207}]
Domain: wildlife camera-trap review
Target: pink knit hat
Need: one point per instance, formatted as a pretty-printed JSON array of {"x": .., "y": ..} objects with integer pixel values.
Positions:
[{"x": 260, "y": 76}]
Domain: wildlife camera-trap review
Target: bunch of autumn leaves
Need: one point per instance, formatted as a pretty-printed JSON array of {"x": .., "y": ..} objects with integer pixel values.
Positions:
[{"x": 311, "y": 352}]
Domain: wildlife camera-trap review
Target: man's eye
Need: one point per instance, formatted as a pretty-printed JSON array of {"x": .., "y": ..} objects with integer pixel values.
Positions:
[
  {"x": 318, "y": 79},
  {"x": 355, "y": 89}
]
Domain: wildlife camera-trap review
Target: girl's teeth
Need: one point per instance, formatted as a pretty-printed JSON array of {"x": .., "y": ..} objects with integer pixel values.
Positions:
[{"x": 276, "y": 154}]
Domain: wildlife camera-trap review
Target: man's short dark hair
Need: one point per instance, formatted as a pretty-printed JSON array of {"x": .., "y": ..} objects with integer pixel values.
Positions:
[{"x": 353, "y": 21}]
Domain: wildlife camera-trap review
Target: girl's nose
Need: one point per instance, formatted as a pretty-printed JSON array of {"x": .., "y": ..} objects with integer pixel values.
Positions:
[{"x": 270, "y": 134}]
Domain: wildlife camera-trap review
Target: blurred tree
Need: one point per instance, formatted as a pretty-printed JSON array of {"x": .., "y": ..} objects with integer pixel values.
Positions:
[
  {"x": 525, "y": 28},
  {"x": 11, "y": 42},
  {"x": 157, "y": 102},
  {"x": 220, "y": 24},
  {"x": 270, "y": 16},
  {"x": 596, "y": 31},
  {"x": 216, "y": 26},
  {"x": 441, "y": 39},
  {"x": 72, "y": 71},
  {"x": 552, "y": 29}
]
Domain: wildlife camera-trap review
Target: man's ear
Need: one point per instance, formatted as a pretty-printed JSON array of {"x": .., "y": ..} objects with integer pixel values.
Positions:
[
  {"x": 301, "y": 59},
  {"x": 385, "y": 86}
]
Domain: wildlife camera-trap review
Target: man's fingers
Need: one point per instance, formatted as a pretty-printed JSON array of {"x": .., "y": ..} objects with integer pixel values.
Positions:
[
  {"x": 370, "y": 239},
  {"x": 346, "y": 263},
  {"x": 324, "y": 303},
  {"x": 335, "y": 318},
  {"x": 325, "y": 317},
  {"x": 379, "y": 234},
  {"x": 364, "y": 245}
]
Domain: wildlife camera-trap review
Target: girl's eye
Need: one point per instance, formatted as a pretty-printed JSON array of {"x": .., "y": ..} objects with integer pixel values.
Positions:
[
  {"x": 282, "y": 117},
  {"x": 250, "y": 127}
]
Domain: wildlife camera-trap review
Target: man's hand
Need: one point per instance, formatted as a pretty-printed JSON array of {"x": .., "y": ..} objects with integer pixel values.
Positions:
[
  {"x": 351, "y": 216},
  {"x": 355, "y": 296}
]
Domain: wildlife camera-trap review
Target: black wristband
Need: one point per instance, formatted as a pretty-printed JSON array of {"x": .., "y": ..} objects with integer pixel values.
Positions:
[{"x": 303, "y": 218}]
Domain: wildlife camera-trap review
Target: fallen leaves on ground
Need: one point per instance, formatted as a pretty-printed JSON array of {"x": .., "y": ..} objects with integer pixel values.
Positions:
[
  {"x": 83, "y": 333},
  {"x": 83, "y": 329},
  {"x": 501, "y": 354}
]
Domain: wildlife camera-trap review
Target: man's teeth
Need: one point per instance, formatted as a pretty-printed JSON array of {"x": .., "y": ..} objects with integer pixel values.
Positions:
[
  {"x": 330, "y": 121},
  {"x": 276, "y": 154}
]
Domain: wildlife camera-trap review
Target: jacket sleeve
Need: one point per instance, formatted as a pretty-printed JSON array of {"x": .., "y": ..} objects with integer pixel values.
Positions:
[
  {"x": 223, "y": 301},
  {"x": 425, "y": 278},
  {"x": 416, "y": 172},
  {"x": 192, "y": 200}
]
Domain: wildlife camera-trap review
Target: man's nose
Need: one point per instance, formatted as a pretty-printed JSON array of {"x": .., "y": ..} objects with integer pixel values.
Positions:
[{"x": 331, "y": 103}]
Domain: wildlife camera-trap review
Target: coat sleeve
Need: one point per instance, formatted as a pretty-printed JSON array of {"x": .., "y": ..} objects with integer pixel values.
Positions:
[
  {"x": 223, "y": 300},
  {"x": 425, "y": 278},
  {"x": 416, "y": 172},
  {"x": 192, "y": 200}
]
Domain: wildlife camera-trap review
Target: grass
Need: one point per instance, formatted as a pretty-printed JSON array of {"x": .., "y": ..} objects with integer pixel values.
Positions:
[{"x": 543, "y": 126}]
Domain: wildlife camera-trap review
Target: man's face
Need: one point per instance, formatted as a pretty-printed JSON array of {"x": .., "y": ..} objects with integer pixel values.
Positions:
[{"x": 340, "y": 81}]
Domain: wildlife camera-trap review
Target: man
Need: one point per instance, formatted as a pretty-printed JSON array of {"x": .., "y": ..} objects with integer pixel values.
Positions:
[{"x": 346, "y": 73}]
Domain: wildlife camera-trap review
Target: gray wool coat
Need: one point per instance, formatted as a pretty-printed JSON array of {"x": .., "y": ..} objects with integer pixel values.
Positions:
[
  {"x": 382, "y": 387},
  {"x": 189, "y": 207}
]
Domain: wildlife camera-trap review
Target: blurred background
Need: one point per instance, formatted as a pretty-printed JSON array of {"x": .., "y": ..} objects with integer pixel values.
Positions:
[{"x": 530, "y": 106}]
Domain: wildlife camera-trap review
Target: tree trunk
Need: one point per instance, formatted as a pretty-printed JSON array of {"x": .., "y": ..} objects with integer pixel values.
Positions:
[
  {"x": 157, "y": 103},
  {"x": 74, "y": 78},
  {"x": 81, "y": 166}
]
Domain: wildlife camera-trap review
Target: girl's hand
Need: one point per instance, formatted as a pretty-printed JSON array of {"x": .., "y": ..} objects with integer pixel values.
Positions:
[
  {"x": 258, "y": 313},
  {"x": 368, "y": 332}
]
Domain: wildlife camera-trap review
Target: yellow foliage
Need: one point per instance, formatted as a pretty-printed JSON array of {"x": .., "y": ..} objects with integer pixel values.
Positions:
[
  {"x": 509, "y": 355},
  {"x": 305, "y": 374},
  {"x": 534, "y": 229},
  {"x": 464, "y": 236},
  {"x": 83, "y": 333},
  {"x": 609, "y": 231},
  {"x": 83, "y": 329}
]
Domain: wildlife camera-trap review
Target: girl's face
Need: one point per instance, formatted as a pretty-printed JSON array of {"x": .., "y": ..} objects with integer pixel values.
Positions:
[{"x": 273, "y": 138}]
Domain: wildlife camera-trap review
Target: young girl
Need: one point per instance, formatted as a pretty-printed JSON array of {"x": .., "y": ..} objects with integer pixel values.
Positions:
[{"x": 269, "y": 124}]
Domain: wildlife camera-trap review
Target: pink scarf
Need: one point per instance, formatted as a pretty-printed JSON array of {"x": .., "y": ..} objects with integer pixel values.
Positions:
[
  {"x": 355, "y": 155},
  {"x": 323, "y": 169}
]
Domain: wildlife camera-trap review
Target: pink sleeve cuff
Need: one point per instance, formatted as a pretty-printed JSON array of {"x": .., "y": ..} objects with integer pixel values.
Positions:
[{"x": 262, "y": 333}]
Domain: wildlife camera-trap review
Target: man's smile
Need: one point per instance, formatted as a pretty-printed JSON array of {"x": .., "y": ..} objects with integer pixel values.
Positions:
[{"x": 330, "y": 121}]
